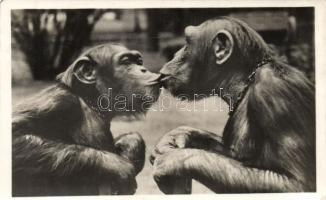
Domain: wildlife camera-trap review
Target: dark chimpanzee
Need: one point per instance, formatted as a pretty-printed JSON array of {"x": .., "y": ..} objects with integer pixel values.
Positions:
[
  {"x": 62, "y": 144},
  {"x": 268, "y": 143}
]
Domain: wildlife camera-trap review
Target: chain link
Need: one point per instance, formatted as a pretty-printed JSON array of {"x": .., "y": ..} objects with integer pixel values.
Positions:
[{"x": 250, "y": 79}]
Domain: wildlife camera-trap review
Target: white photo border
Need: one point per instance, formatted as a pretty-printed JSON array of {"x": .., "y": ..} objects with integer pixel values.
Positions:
[{"x": 320, "y": 59}]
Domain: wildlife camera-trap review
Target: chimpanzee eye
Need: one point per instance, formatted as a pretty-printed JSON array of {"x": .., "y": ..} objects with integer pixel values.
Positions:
[
  {"x": 140, "y": 61},
  {"x": 125, "y": 61}
]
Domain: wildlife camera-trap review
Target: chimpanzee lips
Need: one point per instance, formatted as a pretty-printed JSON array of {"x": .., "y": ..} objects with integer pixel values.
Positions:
[
  {"x": 154, "y": 81},
  {"x": 164, "y": 79}
]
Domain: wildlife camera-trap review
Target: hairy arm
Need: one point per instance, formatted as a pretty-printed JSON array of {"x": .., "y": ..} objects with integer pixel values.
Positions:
[
  {"x": 219, "y": 173},
  {"x": 131, "y": 146},
  {"x": 33, "y": 156},
  {"x": 188, "y": 137},
  {"x": 180, "y": 138},
  {"x": 44, "y": 149}
]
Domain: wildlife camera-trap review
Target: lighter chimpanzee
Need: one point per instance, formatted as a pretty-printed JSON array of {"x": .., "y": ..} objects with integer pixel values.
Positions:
[{"x": 62, "y": 143}]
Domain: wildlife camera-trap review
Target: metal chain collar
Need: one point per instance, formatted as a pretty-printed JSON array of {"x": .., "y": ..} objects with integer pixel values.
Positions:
[{"x": 248, "y": 81}]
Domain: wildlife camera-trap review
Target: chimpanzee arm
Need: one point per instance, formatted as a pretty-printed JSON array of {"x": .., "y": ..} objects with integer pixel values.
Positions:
[
  {"x": 132, "y": 147},
  {"x": 219, "y": 173},
  {"x": 33, "y": 155},
  {"x": 188, "y": 137}
]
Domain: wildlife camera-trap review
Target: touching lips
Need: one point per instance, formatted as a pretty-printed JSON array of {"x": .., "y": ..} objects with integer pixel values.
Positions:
[{"x": 163, "y": 79}]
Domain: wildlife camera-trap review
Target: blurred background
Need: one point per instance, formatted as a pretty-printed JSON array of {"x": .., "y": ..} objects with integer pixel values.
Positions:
[{"x": 45, "y": 42}]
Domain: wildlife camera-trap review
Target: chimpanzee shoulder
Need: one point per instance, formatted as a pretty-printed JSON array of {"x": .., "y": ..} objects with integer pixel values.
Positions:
[{"x": 55, "y": 108}]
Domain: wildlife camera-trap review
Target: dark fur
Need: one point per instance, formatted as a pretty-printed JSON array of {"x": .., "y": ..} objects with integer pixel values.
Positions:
[
  {"x": 268, "y": 142},
  {"x": 61, "y": 146}
]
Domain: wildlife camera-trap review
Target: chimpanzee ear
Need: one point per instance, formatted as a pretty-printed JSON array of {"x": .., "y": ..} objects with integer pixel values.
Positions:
[
  {"x": 223, "y": 46},
  {"x": 84, "y": 70}
]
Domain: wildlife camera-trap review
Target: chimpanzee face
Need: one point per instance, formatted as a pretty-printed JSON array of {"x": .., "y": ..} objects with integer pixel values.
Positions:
[
  {"x": 136, "y": 82},
  {"x": 116, "y": 71},
  {"x": 195, "y": 66}
]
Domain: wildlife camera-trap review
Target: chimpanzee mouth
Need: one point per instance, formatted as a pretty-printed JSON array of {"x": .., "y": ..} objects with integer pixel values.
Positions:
[
  {"x": 165, "y": 78},
  {"x": 155, "y": 81},
  {"x": 151, "y": 83},
  {"x": 165, "y": 81}
]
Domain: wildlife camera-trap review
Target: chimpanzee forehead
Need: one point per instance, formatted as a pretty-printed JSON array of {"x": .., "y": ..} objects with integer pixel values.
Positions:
[
  {"x": 125, "y": 53},
  {"x": 105, "y": 54},
  {"x": 190, "y": 31},
  {"x": 205, "y": 30},
  {"x": 118, "y": 48}
]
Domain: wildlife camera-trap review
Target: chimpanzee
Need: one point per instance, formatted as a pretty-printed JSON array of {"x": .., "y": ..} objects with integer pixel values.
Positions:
[
  {"x": 268, "y": 143},
  {"x": 61, "y": 138}
]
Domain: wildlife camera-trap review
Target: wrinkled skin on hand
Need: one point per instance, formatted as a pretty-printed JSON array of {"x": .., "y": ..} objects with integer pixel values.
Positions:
[
  {"x": 171, "y": 168},
  {"x": 188, "y": 137}
]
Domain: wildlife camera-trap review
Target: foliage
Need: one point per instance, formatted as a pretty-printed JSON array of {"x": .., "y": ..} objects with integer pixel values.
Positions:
[{"x": 51, "y": 39}]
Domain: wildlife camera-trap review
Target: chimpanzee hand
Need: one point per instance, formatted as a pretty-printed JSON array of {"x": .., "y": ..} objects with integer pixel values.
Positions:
[
  {"x": 172, "y": 171},
  {"x": 187, "y": 137},
  {"x": 132, "y": 147},
  {"x": 118, "y": 175}
]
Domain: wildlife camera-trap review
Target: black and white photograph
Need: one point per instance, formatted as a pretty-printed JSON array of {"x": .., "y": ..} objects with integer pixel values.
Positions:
[{"x": 156, "y": 100}]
